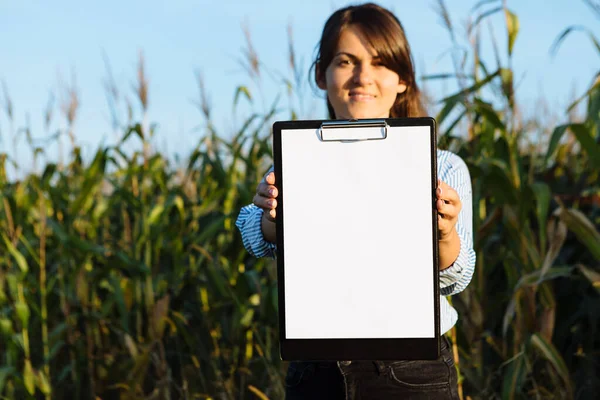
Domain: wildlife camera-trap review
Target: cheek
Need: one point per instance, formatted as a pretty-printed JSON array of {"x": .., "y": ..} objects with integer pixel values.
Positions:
[
  {"x": 389, "y": 82},
  {"x": 335, "y": 81},
  {"x": 390, "y": 85}
]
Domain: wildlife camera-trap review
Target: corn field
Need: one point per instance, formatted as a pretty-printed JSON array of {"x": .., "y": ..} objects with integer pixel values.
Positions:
[{"x": 124, "y": 277}]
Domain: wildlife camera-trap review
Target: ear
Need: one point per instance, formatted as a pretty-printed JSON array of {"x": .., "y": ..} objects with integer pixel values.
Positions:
[
  {"x": 320, "y": 78},
  {"x": 401, "y": 87}
]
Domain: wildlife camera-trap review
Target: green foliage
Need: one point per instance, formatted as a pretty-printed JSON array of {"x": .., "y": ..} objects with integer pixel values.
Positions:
[
  {"x": 529, "y": 319},
  {"x": 149, "y": 288},
  {"x": 126, "y": 277}
]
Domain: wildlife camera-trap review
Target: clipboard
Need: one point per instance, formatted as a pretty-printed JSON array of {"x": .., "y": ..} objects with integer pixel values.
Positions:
[{"x": 357, "y": 250}]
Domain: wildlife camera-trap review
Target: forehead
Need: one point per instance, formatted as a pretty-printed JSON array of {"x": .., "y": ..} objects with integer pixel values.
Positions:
[{"x": 354, "y": 42}]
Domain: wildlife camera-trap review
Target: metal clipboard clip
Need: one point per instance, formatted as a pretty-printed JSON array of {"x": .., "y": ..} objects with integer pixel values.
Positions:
[{"x": 337, "y": 131}]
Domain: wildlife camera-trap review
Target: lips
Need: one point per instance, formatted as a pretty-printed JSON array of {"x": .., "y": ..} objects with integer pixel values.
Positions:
[{"x": 361, "y": 96}]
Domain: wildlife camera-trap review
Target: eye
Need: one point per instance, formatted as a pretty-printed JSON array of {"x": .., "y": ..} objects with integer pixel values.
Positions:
[{"x": 344, "y": 61}]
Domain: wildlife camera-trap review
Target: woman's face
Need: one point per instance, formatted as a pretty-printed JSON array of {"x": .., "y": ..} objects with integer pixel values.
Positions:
[{"x": 357, "y": 85}]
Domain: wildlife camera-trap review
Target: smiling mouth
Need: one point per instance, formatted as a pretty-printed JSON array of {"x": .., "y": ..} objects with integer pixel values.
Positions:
[{"x": 361, "y": 97}]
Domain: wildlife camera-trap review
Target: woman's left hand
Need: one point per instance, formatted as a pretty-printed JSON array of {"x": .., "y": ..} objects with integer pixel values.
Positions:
[{"x": 448, "y": 205}]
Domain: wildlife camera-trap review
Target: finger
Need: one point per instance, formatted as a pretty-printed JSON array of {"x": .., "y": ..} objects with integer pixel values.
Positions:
[
  {"x": 447, "y": 193},
  {"x": 266, "y": 190},
  {"x": 443, "y": 225},
  {"x": 264, "y": 202},
  {"x": 270, "y": 215},
  {"x": 270, "y": 178},
  {"x": 448, "y": 210}
]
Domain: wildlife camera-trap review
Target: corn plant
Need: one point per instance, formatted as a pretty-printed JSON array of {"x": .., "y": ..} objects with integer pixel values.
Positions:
[
  {"x": 122, "y": 274},
  {"x": 536, "y": 237}
]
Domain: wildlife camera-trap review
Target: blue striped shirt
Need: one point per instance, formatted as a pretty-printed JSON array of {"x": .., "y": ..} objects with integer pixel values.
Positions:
[{"x": 453, "y": 171}]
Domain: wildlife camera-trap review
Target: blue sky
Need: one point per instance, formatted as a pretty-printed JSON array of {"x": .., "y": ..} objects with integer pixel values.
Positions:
[{"x": 42, "y": 41}]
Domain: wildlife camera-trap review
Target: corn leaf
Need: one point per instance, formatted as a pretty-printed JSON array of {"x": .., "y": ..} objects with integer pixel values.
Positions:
[
  {"x": 28, "y": 377},
  {"x": 542, "y": 195},
  {"x": 549, "y": 352},
  {"x": 5, "y": 373},
  {"x": 19, "y": 258},
  {"x": 588, "y": 143},
  {"x": 557, "y": 135},
  {"x": 583, "y": 228},
  {"x": 591, "y": 275},
  {"x": 514, "y": 378},
  {"x": 241, "y": 90}
]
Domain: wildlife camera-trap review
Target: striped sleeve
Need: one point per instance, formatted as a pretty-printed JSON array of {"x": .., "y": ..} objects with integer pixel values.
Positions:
[
  {"x": 249, "y": 225},
  {"x": 454, "y": 172}
]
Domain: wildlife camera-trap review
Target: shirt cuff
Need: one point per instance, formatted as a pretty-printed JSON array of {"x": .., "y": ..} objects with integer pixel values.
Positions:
[
  {"x": 457, "y": 276},
  {"x": 249, "y": 225}
]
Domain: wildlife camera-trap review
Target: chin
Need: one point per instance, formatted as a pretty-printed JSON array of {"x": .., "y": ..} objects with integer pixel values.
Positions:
[{"x": 364, "y": 113}]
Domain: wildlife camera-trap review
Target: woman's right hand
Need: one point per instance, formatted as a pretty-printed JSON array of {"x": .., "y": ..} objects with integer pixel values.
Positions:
[{"x": 266, "y": 196}]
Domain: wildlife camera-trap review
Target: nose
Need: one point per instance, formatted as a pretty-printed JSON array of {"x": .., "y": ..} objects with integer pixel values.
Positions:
[{"x": 363, "y": 74}]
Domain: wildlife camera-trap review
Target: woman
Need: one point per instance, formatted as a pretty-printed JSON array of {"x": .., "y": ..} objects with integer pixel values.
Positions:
[{"x": 365, "y": 66}]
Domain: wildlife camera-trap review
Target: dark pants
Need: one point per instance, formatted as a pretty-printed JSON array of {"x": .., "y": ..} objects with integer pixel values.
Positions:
[{"x": 374, "y": 379}]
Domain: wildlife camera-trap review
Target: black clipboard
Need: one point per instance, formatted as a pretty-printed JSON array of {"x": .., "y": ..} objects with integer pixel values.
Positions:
[{"x": 357, "y": 250}]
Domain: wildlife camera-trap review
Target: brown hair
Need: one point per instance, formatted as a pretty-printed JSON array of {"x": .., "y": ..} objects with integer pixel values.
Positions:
[{"x": 385, "y": 34}]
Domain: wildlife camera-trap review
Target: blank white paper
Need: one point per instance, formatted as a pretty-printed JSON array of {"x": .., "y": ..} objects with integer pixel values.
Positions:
[{"x": 358, "y": 235}]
